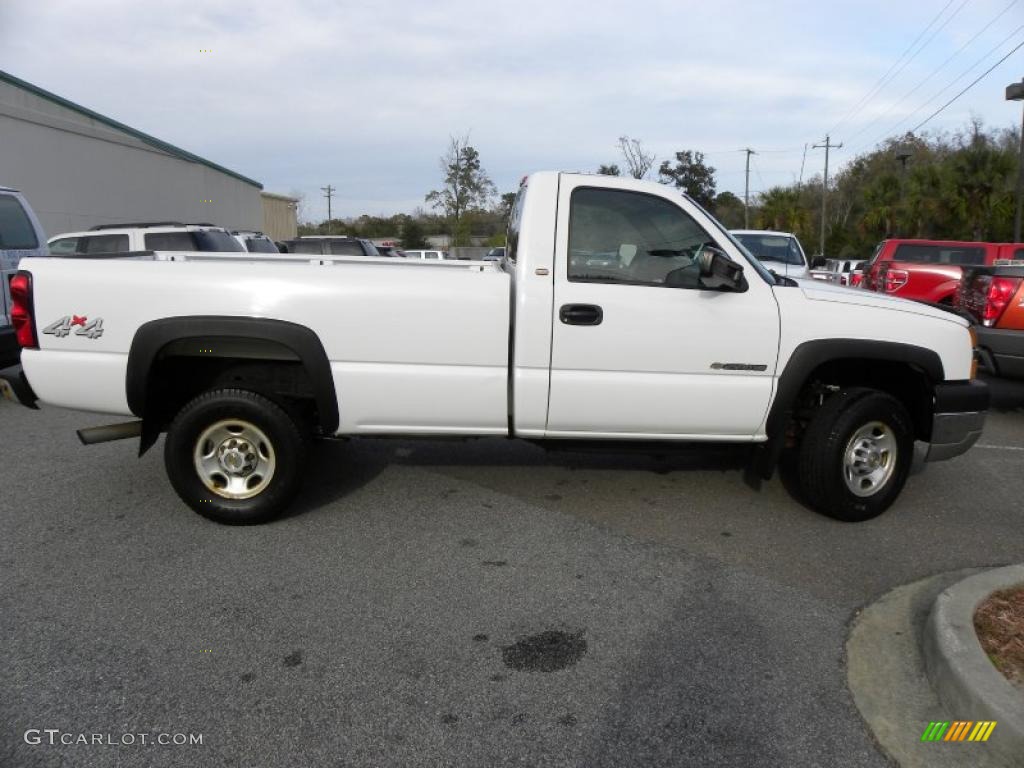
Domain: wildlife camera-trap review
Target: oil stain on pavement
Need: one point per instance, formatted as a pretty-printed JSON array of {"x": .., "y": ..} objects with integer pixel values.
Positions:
[{"x": 547, "y": 651}]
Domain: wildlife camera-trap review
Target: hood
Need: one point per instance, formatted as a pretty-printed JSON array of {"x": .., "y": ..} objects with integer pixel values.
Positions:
[{"x": 819, "y": 290}]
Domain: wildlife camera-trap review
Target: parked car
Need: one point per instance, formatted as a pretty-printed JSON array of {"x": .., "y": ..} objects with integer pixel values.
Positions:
[
  {"x": 20, "y": 236},
  {"x": 843, "y": 271},
  {"x": 694, "y": 341},
  {"x": 254, "y": 242},
  {"x": 333, "y": 245},
  {"x": 929, "y": 270},
  {"x": 391, "y": 250},
  {"x": 994, "y": 297},
  {"x": 495, "y": 254},
  {"x": 779, "y": 251},
  {"x": 145, "y": 236},
  {"x": 421, "y": 254}
]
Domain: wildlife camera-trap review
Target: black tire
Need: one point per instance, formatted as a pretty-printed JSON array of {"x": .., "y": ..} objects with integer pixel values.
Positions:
[
  {"x": 822, "y": 459},
  {"x": 284, "y": 443}
]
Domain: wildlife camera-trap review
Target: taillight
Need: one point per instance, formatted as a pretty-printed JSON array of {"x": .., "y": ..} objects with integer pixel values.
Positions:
[
  {"x": 21, "y": 310},
  {"x": 1000, "y": 291},
  {"x": 895, "y": 279}
]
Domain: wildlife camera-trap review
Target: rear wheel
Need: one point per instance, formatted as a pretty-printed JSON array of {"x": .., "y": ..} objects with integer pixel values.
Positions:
[
  {"x": 234, "y": 456},
  {"x": 855, "y": 454}
]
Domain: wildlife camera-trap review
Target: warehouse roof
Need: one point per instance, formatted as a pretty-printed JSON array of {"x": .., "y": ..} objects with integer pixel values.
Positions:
[{"x": 144, "y": 137}]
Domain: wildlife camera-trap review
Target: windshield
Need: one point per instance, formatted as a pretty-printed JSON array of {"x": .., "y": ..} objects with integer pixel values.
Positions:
[
  {"x": 216, "y": 240},
  {"x": 778, "y": 248}
]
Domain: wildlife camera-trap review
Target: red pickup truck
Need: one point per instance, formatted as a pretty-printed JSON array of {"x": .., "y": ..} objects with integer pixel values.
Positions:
[
  {"x": 994, "y": 297},
  {"x": 930, "y": 270}
]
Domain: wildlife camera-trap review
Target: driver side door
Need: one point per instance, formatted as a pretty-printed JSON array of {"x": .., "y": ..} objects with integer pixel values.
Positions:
[{"x": 639, "y": 349}]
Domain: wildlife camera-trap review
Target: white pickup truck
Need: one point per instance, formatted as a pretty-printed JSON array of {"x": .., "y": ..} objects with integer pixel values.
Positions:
[{"x": 622, "y": 313}]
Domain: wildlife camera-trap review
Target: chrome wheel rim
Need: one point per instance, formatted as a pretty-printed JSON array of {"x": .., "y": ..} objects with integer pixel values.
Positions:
[
  {"x": 870, "y": 459},
  {"x": 235, "y": 459}
]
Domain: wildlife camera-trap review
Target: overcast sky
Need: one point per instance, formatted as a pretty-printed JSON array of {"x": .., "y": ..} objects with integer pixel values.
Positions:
[{"x": 363, "y": 95}]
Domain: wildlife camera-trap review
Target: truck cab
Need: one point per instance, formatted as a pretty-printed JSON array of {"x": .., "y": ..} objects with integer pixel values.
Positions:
[{"x": 930, "y": 270}]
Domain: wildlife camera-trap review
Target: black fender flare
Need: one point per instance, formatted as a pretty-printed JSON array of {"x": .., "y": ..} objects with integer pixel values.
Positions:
[
  {"x": 810, "y": 355},
  {"x": 155, "y": 335}
]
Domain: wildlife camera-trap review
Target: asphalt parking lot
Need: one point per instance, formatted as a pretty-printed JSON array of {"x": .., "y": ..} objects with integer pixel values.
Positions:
[{"x": 460, "y": 603}]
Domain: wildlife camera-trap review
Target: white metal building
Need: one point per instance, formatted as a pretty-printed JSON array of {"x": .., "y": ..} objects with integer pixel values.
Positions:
[{"x": 78, "y": 169}]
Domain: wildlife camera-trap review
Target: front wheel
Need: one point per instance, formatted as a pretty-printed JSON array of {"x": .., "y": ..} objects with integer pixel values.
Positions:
[
  {"x": 856, "y": 454},
  {"x": 234, "y": 456}
]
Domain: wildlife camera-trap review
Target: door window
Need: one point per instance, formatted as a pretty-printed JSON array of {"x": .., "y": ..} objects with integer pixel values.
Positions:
[
  {"x": 64, "y": 245},
  {"x": 940, "y": 254},
  {"x": 632, "y": 238},
  {"x": 16, "y": 231},
  {"x": 170, "y": 241},
  {"x": 104, "y": 244}
]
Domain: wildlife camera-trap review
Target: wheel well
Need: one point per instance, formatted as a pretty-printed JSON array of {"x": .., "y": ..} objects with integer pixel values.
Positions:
[
  {"x": 904, "y": 381},
  {"x": 184, "y": 368}
]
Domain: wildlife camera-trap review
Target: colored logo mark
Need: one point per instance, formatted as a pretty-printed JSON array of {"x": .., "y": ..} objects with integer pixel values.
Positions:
[{"x": 959, "y": 730}]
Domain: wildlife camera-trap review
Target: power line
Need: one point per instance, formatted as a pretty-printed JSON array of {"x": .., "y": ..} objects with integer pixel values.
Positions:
[
  {"x": 896, "y": 63},
  {"x": 981, "y": 77},
  {"x": 946, "y": 87},
  {"x": 902, "y": 99},
  {"x": 924, "y": 45}
]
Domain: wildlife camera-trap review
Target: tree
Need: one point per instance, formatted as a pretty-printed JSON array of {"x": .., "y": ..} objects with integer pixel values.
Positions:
[
  {"x": 609, "y": 170},
  {"x": 412, "y": 234},
  {"x": 982, "y": 172},
  {"x": 692, "y": 175},
  {"x": 728, "y": 209},
  {"x": 505, "y": 206},
  {"x": 466, "y": 187},
  {"x": 638, "y": 162}
]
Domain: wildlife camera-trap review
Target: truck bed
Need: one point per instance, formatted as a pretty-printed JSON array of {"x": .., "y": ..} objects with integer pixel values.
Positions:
[{"x": 383, "y": 324}]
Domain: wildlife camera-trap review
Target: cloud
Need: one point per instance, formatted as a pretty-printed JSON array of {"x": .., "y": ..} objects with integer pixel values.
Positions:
[{"x": 363, "y": 95}]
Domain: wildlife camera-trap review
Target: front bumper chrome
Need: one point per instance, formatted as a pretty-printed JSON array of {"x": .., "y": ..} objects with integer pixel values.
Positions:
[
  {"x": 959, "y": 416},
  {"x": 954, "y": 434}
]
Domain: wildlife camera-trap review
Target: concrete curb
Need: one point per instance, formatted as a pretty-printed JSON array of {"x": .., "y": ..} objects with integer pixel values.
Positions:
[{"x": 962, "y": 675}]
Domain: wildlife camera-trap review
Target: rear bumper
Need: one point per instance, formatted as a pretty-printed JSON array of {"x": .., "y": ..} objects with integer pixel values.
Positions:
[
  {"x": 1001, "y": 352},
  {"x": 10, "y": 352},
  {"x": 959, "y": 417},
  {"x": 15, "y": 387}
]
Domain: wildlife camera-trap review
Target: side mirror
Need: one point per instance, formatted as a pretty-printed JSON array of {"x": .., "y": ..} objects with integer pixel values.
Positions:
[
  {"x": 718, "y": 271},
  {"x": 818, "y": 262}
]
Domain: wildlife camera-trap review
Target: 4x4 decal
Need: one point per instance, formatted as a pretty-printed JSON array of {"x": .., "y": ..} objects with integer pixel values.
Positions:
[{"x": 91, "y": 329}]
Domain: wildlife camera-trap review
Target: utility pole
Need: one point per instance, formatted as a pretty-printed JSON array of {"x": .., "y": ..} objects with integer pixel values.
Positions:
[
  {"x": 824, "y": 187},
  {"x": 903, "y": 156},
  {"x": 328, "y": 192},
  {"x": 746, "y": 190},
  {"x": 1015, "y": 92}
]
